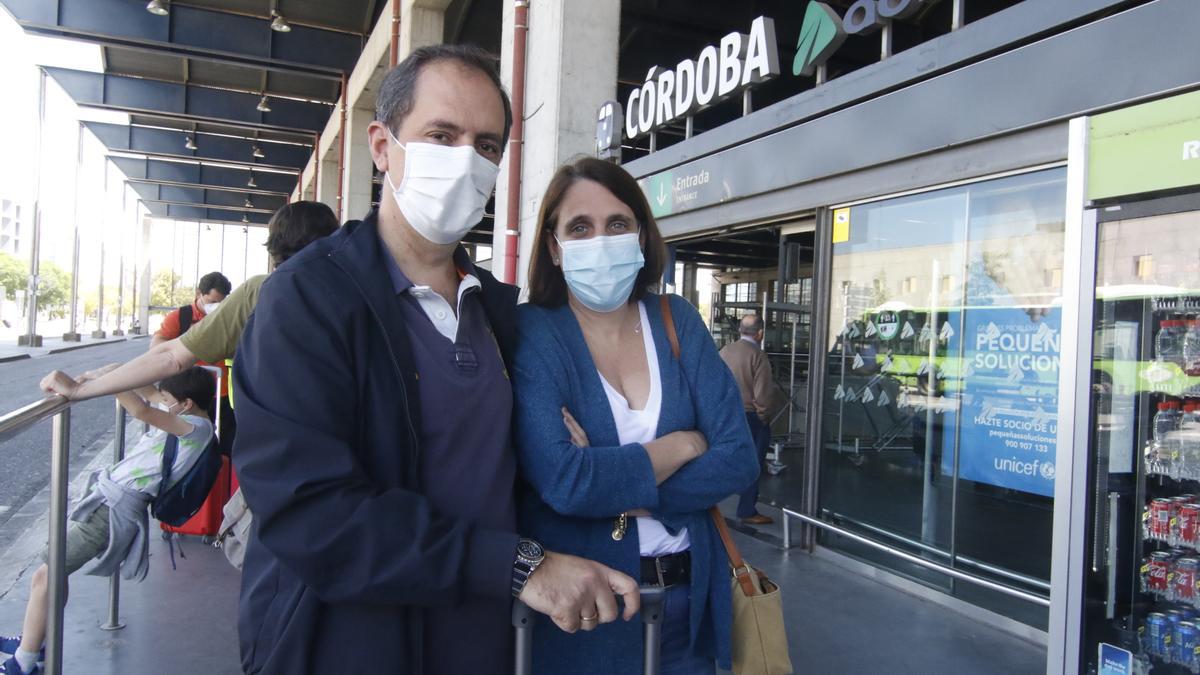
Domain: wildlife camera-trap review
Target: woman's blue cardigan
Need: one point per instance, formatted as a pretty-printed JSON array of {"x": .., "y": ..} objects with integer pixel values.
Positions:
[{"x": 572, "y": 495}]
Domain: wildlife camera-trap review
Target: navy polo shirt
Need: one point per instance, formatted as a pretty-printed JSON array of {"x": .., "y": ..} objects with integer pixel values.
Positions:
[{"x": 468, "y": 465}]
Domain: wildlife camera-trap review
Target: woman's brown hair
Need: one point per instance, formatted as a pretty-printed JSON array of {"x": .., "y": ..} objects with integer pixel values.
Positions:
[{"x": 547, "y": 287}]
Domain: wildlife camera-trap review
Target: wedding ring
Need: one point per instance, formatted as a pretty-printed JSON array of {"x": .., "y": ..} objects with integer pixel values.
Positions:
[{"x": 589, "y": 618}]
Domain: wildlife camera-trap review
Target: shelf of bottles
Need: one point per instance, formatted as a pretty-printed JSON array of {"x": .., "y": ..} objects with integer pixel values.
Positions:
[{"x": 1169, "y": 632}]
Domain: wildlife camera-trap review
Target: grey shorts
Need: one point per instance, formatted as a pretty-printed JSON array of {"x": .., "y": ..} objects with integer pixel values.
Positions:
[{"x": 85, "y": 540}]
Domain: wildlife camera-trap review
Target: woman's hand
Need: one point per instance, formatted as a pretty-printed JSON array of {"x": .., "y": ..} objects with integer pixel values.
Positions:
[
  {"x": 578, "y": 435},
  {"x": 669, "y": 453}
]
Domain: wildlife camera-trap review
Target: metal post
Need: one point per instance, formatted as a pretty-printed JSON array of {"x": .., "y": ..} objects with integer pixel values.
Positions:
[
  {"x": 929, "y": 493},
  {"x": 689, "y": 126},
  {"x": 99, "y": 333},
  {"x": 522, "y": 621},
  {"x": 885, "y": 41},
  {"x": 121, "y": 265},
  {"x": 31, "y": 338},
  {"x": 198, "y": 255},
  {"x": 957, "y": 14},
  {"x": 245, "y": 250},
  {"x": 114, "y": 581},
  {"x": 72, "y": 334},
  {"x": 57, "y": 578},
  {"x": 653, "y": 141},
  {"x": 747, "y": 103},
  {"x": 822, "y": 74}
]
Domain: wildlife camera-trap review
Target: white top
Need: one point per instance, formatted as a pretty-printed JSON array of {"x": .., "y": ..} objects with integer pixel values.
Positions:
[
  {"x": 142, "y": 468},
  {"x": 641, "y": 426},
  {"x": 438, "y": 310}
]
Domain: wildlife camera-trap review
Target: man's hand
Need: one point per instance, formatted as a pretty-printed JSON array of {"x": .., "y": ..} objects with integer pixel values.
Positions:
[
  {"x": 570, "y": 589},
  {"x": 98, "y": 373}
]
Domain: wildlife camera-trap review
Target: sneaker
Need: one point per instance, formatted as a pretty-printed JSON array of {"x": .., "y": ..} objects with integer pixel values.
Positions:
[
  {"x": 11, "y": 667},
  {"x": 8, "y": 645}
]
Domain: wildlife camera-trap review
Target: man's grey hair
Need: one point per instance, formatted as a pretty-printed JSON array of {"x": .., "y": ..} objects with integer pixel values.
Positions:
[
  {"x": 750, "y": 325},
  {"x": 396, "y": 94}
]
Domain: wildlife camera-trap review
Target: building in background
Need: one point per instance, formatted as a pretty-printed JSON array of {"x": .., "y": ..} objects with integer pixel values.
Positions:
[{"x": 10, "y": 226}]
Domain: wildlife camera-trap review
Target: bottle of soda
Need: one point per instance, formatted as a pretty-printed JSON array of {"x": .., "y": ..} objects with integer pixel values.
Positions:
[
  {"x": 1166, "y": 438},
  {"x": 1189, "y": 441},
  {"x": 1162, "y": 340},
  {"x": 1190, "y": 347}
]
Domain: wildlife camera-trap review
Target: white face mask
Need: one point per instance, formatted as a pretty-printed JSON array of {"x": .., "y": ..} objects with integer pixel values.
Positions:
[
  {"x": 444, "y": 189},
  {"x": 210, "y": 307}
]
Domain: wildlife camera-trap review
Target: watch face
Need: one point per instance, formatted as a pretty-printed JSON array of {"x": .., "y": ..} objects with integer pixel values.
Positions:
[{"x": 529, "y": 549}]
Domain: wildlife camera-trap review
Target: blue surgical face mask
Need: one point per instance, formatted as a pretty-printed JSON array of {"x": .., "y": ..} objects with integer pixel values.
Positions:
[{"x": 601, "y": 271}]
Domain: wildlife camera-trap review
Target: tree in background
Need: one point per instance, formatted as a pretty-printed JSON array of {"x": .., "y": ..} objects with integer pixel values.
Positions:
[
  {"x": 13, "y": 274},
  {"x": 166, "y": 291},
  {"x": 54, "y": 294}
]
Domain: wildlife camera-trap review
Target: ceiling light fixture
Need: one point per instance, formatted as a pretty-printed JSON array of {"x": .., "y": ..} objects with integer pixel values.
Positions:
[
  {"x": 248, "y": 204},
  {"x": 258, "y": 153},
  {"x": 158, "y": 7},
  {"x": 189, "y": 143},
  {"x": 278, "y": 23},
  {"x": 263, "y": 104},
  {"x": 245, "y": 219},
  {"x": 251, "y": 183}
]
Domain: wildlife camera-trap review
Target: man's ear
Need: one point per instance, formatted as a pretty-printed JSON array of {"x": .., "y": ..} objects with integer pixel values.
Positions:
[{"x": 377, "y": 139}]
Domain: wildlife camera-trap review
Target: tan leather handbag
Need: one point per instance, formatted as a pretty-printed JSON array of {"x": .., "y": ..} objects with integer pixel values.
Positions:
[{"x": 759, "y": 637}]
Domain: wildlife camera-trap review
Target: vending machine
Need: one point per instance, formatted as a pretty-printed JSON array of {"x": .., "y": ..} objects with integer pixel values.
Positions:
[{"x": 1127, "y": 563}]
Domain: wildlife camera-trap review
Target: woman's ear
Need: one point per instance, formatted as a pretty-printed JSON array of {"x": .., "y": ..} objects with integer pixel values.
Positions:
[{"x": 553, "y": 248}]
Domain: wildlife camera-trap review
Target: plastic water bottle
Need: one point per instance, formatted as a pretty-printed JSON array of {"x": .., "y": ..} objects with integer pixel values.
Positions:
[
  {"x": 1166, "y": 438},
  {"x": 1190, "y": 347},
  {"x": 1189, "y": 441},
  {"x": 1168, "y": 344}
]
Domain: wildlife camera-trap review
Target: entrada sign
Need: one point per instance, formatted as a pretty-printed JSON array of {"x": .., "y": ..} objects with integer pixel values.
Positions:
[{"x": 719, "y": 72}]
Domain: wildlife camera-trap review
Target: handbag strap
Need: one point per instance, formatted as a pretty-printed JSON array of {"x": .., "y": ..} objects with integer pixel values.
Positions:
[{"x": 740, "y": 568}]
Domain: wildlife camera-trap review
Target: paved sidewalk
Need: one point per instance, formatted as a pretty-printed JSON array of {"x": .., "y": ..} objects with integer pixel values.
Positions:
[
  {"x": 184, "y": 621},
  {"x": 9, "y": 351}
]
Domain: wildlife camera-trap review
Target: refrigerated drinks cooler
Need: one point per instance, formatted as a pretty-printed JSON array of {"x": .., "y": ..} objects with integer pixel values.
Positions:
[{"x": 1135, "y": 571}]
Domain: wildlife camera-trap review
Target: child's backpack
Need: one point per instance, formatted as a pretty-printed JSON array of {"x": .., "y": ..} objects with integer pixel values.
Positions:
[{"x": 177, "y": 503}]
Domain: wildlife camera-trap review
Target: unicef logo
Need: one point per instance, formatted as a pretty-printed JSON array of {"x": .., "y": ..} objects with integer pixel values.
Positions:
[{"x": 1047, "y": 470}]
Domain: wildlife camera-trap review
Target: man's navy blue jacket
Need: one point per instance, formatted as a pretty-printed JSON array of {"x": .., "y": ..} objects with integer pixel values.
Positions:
[{"x": 345, "y": 552}]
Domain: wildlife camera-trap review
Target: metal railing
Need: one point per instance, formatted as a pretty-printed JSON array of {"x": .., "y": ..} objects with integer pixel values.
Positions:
[
  {"x": 11, "y": 425},
  {"x": 1032, "y": 598}
]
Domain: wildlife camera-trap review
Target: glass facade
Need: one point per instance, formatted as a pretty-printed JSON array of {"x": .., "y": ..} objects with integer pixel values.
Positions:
[{"x": 939, "y": 410}]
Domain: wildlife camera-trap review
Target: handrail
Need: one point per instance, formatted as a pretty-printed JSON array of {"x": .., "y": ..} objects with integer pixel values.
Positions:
[
  {"x": 13, "y": 423},
  {"x": 917, "y": 560}
]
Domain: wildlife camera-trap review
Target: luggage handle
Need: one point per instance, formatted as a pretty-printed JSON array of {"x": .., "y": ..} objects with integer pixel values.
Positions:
[{"x": 651, "y": 614}]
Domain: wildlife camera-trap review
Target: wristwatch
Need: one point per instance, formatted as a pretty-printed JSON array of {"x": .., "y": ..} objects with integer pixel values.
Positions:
[{"x": 530, "y": 554}]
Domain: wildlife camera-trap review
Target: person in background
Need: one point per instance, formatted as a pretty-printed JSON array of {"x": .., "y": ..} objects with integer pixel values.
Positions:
[
  {"x": 211, "y": 291},
  {"x": 374, "y": 408},
  {"x": 110, "y": 525},
  {"x": 291, "y": 228},
  {"x": 625, "y": 445},
  {"x": 761, "y": 399}
]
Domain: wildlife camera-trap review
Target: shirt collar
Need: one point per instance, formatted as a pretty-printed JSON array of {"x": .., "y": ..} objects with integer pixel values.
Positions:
[
  {"x": 750, "y": 340},
  {"x": 401, "y": 283}
]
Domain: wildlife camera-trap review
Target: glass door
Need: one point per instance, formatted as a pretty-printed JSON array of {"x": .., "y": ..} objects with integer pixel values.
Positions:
[{"x": 1142, "y": 577}]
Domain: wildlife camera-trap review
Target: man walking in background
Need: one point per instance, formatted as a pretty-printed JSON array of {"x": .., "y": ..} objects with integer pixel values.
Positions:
[{"x": 760, "y": 397}]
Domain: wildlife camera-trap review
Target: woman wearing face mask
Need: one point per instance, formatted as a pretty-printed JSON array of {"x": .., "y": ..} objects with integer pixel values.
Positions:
[{"x": 624, "y": 445}]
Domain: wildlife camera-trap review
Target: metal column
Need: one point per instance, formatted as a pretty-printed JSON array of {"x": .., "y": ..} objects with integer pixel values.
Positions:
[
  {"x": 56, "y": 581},
  {"x": 72, "y": 334},
  {"x": 31, "y": 338},
  {"x": 114, "y": 581}
]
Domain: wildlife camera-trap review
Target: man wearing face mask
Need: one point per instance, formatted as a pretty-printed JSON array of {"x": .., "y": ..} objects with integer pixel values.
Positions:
[
  {"x": 210, "y": 293},
  {"x": 374, "y": 405}
]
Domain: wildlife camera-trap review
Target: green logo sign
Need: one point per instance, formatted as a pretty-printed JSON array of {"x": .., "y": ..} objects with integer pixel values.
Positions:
[
  {"x": 1145, "y": 148},
  {"x": 660, "y": 191},
  {"x": 820, "y": 36}
]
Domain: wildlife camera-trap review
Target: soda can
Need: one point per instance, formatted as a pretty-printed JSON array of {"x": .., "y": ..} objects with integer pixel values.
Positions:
[
  {"x": 1160, "y": 518},
  {"x": 1188, "y": 521},
  {"x": 1186, "y": 642},
  {"x": 1183, "y": 577},
  {"x": 1156, "y": 634},
  {"x": 1155, "y": 572}
]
